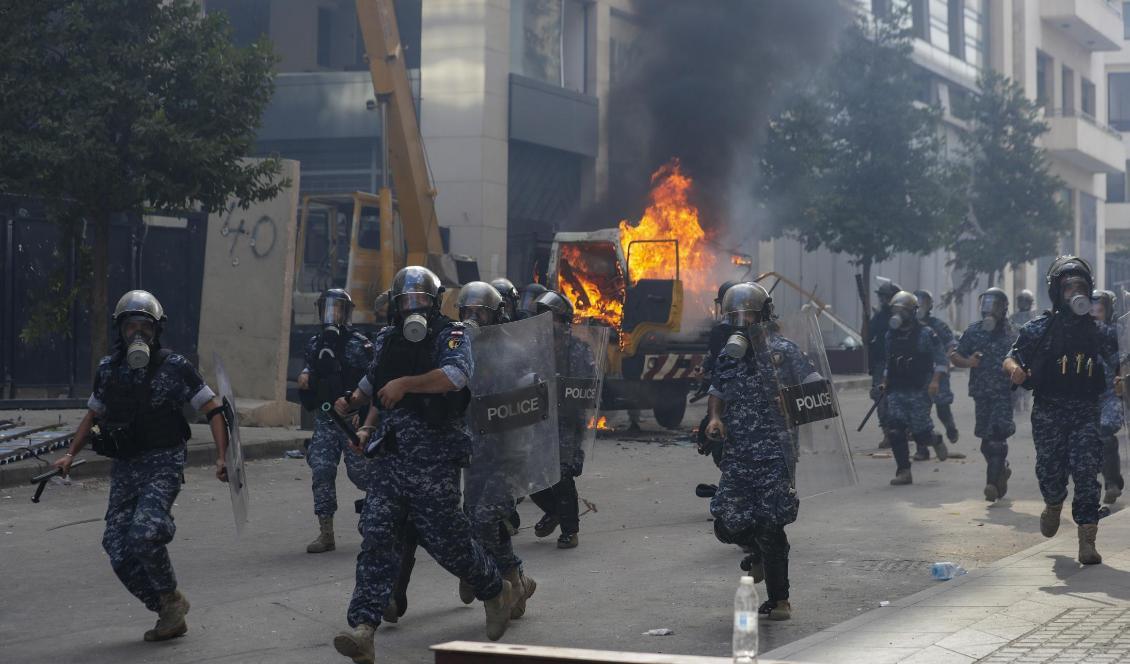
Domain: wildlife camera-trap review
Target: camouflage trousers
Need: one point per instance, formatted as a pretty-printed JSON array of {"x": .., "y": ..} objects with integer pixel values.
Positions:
[
  {"x": 754, "y": 502},
  {"x": 487, "y": 524},
  {"x": 1068, "y": 444},
  {"x": 1110, "y": 414},
  {"x": 908, "y": 417},
  {"x": 139, "y": 522},
  {"x": 426, "y": 495},
  {"x": 993, "y": 415},
  {"x": 323, "y": 454}
]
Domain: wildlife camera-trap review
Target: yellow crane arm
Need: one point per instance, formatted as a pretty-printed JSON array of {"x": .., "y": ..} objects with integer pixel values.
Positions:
[{"x": 415, "y": 195}]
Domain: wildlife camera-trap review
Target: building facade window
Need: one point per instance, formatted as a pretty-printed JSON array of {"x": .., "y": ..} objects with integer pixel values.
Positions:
[
  {"x": 955, "y": 23},
  {"x": 249, "y": 19},
  {"x": 1089, "y": 227},
  {"x": 325, "y": 36},
  {"x": 1045, "y": 75},
  {"x": 920, "y": 19},
  {"x": 1087, "y": 97},
  {"x": 1126, "y": 20},
  {"x": 549, "y": 41},
  {"x": 1116, "y": 186},
  {"x": 1118, "y": 101},
  {"x": 1067, "y": 101}
]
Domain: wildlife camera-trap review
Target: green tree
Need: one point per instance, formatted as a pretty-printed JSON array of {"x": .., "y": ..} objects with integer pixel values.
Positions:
[
  {"x": 128, "y": 107},
  {"x": 858, "y": 164},
  {"x": 1015, "y": 215}
]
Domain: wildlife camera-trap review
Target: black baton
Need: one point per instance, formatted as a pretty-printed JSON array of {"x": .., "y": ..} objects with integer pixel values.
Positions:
[
  {"x": 874, "y": 407},
  {"x": 328, "y": 407},
  {"x": 43, "y": 478}
]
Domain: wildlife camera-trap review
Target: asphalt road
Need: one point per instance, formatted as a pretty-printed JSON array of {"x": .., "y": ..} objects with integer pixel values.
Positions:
[{"x": 647, "y": 559}]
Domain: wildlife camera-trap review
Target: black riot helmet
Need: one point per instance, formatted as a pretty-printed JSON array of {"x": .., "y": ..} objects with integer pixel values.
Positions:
[
  {"x": 904, "y": 309},
  {"x": 1070, "y": 284},
  {"x": 557, "y": 304},
  {"x": 994, "y": 308},
  {"x": 415, "y": 300},
  {"x": 887, "y": 289},
  {"x": 530, "y": 295},
  {"x": 746, "y": 304},
  {"x": 139, "y": 318},
  {"x": 509, "y": 294},
  {"x": 1102, "y": 306},
  {"x": 335, "y": 308},
  {"x": 925, "y": 303},
  {"x": 480, "y": 304},
  {"x": 1025, "y": 300}
]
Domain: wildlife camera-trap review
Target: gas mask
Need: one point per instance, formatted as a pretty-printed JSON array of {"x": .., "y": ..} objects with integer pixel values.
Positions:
[
  {"x": 1076, "y": 293},
  {"x": 895, "y": 321},
  {"x": 415, "y": 327},
  {"x": 988, "y": 321},
  {"x": 138, "y": 334},
  {"x": 737, "y": 345},
  {"x": 743, "y": 325},
  {"x": 414, "y": 308}
]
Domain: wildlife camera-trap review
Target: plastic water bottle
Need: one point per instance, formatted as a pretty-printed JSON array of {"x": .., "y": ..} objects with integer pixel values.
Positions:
[
  {"x": 946, "y": 571},
  {"x": 745, "y": 622}
]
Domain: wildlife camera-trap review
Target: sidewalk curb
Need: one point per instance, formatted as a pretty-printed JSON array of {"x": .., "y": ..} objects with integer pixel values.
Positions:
[
  {"x": 853, "y": 383},
  {"x": 879, "y": 613},
  {"x": 198, "y": 454}
]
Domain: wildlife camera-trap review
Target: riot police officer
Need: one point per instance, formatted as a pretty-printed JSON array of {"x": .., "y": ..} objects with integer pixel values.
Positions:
[
  {"x": 718, "y": 335},
  {"x": 914, "y": 366},
  {"x": 336, "y": 359},
  {"x": 755, "y": 498},
  {"x": 136, "y": 404},
  {"x": 560, "y": 502},
  {"x": 1110, "y": 409},
  {"x": 1062, "y": 357},
  {"x": 982, "y": 349},
  {"x": 510, "y": 299},
  {"x": 1025, "y": 300},
  {"x": 944, "y": 400},
  {"x": 877, "y": 350},
  {"x": 528, "y": 305},
  {"x": 419, "y": 442}
]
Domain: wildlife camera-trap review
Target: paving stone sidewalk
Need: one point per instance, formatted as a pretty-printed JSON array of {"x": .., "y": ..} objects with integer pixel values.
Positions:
[{"x": 1038, "y": 606}]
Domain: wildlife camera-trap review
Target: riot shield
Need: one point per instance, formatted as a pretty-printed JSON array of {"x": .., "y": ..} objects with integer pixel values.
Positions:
[
  {"x": 512, "y": 415},
  {"x": 237, "y": 477},
  {"x": 812, "y": 410},
  {"x": 582, "y": 354}
]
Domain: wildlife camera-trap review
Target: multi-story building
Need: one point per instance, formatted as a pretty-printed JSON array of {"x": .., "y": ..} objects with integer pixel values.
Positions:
[
  {"x": 509, "y": 98},
  {"x": 1117, "y": 196}
]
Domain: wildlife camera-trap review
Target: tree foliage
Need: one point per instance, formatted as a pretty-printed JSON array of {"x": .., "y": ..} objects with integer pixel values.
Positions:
[
  {"x": 1015, "y": 216},
  {"x": 128, "y": 107}
]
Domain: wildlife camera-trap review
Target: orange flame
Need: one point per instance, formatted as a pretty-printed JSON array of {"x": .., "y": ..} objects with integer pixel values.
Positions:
[
  {"x": 590, "y": 274},
  {"x": 599, "y": 424}
]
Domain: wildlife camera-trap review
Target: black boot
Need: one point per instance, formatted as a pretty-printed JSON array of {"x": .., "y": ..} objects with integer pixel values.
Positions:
[
  {"x": 997, "y": 471},
  {"x": 922, "y": 452},
  {"x": 945, "y": 414}
]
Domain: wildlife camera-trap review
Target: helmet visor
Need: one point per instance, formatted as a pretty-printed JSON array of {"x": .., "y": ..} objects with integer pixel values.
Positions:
[
  {"x": 742, "y": 319},
  {"x": 481, "y": 316},
  {"x": 335, "y": 311},
  {"x": 993, "y": 304},
  {"x": 138, "y": 324},
  {"x": 1072, "y": 286},
  {"x": 1098, "y": 309},
  {"x": 408, "y": 302},
  {"x": 529, "y": 300}
]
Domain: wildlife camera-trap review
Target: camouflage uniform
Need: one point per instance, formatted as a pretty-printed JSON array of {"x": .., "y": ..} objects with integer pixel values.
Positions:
[
  {"x": 574, "y": 358},
  {"x": 755, "y": 498},
  {"x": 1110, "y": 423},
  {"x": 1021, "y": 399},
  {"x": 877, "y": 360},
  {"x": 990, "y": 389},
  {"x": 908, "y": 405},
  {"x": 326, "y": 447},
  {"x": 416, "y": 483},
  {"x": 1065, "y": 425},
  {"x": 944, "y": 399},
  {"x": 139, "y": 520}
]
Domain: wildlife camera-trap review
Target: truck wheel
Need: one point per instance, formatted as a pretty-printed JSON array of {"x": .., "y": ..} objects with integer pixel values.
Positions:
[{"x": 671, "y": 406}]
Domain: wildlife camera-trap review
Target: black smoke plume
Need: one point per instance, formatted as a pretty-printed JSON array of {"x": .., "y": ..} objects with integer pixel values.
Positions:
[{"x": 705, "y": 78}]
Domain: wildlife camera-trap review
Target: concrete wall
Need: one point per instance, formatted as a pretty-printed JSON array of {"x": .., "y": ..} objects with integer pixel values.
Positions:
[{"x": 246, "y": 299}]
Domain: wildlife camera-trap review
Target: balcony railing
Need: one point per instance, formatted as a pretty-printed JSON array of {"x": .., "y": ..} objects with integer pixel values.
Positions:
[{"x": 1086, "y": 117}]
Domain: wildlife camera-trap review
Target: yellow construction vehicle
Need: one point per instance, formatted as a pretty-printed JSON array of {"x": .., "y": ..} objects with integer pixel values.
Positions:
[{"x": 368, "y": 237}]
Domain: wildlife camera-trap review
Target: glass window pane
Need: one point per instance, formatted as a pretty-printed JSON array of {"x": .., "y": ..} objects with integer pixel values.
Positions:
[
  {"x": 1118, "y": 101},
  {"x": 535, "y": 39}
]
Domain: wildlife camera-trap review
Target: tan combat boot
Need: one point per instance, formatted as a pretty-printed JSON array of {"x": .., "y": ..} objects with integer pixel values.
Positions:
[
  {"x": 1049, "y": 520},
  {"x": 783, "y": 611},
  {"x": 524, "y": 589},
  {"x": 498, "y": 611},
  {"x": 170, "y": 618},
  {"x": 357, "y": 644},
  {"x": 325, "y": 540},
  {"x": 902, "y": 478},
  {"x": 1088, "y": 555},
  {"x": 466, "y": 592}
]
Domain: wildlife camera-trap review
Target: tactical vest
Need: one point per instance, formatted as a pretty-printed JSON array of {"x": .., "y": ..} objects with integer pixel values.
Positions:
[
  {"x": 138, "y": 425},
  {"x": 401, "y": 357},
  {"x": 331, "y": 376},
  {"x": 1071, "y": 366},
  {"x": 908, "y": 366}
]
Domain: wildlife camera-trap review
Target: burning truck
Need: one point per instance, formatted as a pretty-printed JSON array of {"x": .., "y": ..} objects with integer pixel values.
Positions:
[{"x": 653, "y": 284}]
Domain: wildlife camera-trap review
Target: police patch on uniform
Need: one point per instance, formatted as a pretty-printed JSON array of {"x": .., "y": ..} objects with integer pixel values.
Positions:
[{"x": 456, "y": 339}]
